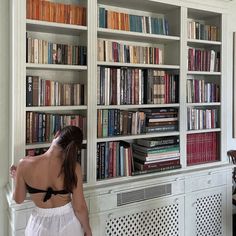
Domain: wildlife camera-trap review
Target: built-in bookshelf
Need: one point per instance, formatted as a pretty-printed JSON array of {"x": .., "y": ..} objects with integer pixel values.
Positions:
[
  {"x": 145, "y": 80},
  {"x": 204, "y": 85},
  {"x": 55, "y": 71},
  {"x": 137, "y": 88},
  {"x": 124, "y": 79}
]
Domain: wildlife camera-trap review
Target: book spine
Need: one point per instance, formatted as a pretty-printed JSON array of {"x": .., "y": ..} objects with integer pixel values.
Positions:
[
  {"x": 157, "y": 165},
  {"x": 29, "y": 91},
  {"x": 141, "y": 172}
]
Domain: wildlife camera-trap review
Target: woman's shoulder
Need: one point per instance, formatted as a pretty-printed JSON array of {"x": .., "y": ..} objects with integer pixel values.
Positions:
[{"x": 28, "y": 160}]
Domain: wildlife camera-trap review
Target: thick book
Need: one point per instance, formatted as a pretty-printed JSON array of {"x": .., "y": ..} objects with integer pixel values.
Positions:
[
  {"x": 156, "y": 157},
  {"x": 156, "y": 149},
  {"x": 158, "y": 141},
  {"x": 141, "y": 172},
  {"x": 162, "y": 128},
  {"x": 155, "y": 165},
  {"x": 29, "y": 91}
]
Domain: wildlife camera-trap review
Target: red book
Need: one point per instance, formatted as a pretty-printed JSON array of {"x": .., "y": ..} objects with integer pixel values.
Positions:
[
  {"x": 110, "y": 159},
  {"x": 48, "y": 93},
  {"x": 157, "y": 165}
]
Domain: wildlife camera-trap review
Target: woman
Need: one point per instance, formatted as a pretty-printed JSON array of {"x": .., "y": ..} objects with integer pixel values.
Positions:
[{"x": 55, "y": 183}]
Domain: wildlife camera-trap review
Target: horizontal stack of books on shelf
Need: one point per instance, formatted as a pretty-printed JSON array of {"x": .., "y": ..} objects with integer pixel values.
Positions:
[
  {"x": 41, "y": 127},
  {"x": 41, "y": 92},
  {"x": 156, "y": 154},
  {"x": 56, "y": 12},
  {"x": 126, "y": 86},
  {"x": 123, "y": 21},
  {"x": 161, "y": 119},
  {"x": 202, "y": 148},
  {"x": 114, "y": 159},
  {"x": 40, "y": 51}
]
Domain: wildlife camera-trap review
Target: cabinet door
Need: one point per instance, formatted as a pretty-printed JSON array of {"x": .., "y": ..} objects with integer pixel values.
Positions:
[
  {"x": 157, "y": 217},
  {"x": 206, "y": 213}
]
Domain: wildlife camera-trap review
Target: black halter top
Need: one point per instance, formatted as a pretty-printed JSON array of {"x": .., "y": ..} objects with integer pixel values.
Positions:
[{"x": 48, "y": 192}]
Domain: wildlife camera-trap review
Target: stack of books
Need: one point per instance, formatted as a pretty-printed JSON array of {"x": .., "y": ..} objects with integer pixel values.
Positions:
[{"x": 159, "y": 154}]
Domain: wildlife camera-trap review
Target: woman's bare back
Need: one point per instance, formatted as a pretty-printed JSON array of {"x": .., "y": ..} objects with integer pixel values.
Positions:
[{"x": 42, "y": 172}]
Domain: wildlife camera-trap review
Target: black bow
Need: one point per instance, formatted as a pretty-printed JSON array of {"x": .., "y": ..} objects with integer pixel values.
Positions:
[{"x": 48, "y": 194}]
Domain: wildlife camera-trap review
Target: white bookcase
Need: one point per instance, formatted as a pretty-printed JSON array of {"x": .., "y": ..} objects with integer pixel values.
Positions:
[{"x": 116, "y": 204}]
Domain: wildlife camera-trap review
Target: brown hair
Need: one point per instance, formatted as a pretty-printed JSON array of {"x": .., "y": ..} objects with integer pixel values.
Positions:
[{"x": 70, "y": 139}]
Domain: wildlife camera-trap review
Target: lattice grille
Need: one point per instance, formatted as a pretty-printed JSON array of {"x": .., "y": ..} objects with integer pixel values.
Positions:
[
  {"x": 209, "y": 215},
  {"x": 163, "y": 221}
]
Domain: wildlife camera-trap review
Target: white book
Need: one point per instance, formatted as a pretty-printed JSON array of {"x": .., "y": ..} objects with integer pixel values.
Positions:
[
  {"x": 160, "y": 56},
  {"x": 36, "y": 51},
  {"x": 98, "y": 85},
  {"x": 40, "y": 50},
  {"x": 45, "y": 49},
  {"x": 212, "y": 62}
]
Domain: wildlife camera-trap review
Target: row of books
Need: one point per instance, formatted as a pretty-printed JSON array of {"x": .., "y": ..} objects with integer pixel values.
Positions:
[
  {"x": 202, "y": 91},
  {"x": 202, "y": 148},
  {"x": 121, "y": 86},
  {"x": 41, "y": 127},
  {"x": 40, "y": 51},
  {"x": 41, "y": 92},
  {"x": 113, "y": 122},
  {"x": 56, "y": 12},
  {"x": 113, "y": 159},
  {"x": 202, "y": 118},
  {"x": 200, "y": 30},
  {"x": 203, "y": 60},
  {"x": 111, "y": 51},
  {"x": 81, "y": 158},
  {"x": 135, "y": 23}
]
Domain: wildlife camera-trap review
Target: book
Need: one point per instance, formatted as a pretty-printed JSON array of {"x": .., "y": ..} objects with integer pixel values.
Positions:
[
  {"x": 161, "y": 128},
  {"x": 160, "y": 141},
  {"x": 29, "y": 91},
  {"x": 142, "y": 172},
  {"x": 155, "y": 165},
  {"x": 156, "y": 156},
  {"x": 156, "y": 149}
]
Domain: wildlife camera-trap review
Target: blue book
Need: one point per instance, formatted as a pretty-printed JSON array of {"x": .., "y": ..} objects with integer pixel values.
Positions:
[{"x": 101, "y": 17}]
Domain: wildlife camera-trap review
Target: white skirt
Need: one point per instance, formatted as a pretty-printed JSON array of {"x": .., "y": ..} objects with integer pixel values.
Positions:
[{"x": 59, "y": 221}]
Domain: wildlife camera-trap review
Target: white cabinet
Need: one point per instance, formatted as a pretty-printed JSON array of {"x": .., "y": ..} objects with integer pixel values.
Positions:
[
  {"x": 206, "y": 212},
  {"x": 154, "y": 217},
  {"x": 196, "y": 203}
]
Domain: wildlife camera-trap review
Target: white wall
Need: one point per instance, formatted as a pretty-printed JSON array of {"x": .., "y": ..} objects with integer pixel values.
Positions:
[
  {"x": 231, "y": 142},
  {"x": 4, "y": 94}
]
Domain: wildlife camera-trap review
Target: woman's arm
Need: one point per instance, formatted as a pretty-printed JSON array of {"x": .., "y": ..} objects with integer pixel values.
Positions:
[
  {"x": 20, "y": 187},
  {"x": 79, "y": 204}
]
